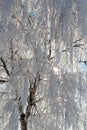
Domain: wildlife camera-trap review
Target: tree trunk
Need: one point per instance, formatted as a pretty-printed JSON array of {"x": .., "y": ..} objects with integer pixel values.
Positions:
[
  {"x": 23, "y": 125},
  {"x": 23, "y": 122}
]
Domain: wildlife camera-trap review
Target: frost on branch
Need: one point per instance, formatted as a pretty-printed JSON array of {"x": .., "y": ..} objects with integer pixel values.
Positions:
[{"x": 49, "y": 37}]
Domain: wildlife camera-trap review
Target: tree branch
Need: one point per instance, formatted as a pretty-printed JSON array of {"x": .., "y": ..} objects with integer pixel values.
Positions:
[
  {"x": 5, "y": 66},
  {"x": 3, "y": 80},
  {"x": 77, "y": 40},
  {"x": 31, "y": 98},
  {"x": 74, "y": 46},
  {"x": 14, "y": 17}
]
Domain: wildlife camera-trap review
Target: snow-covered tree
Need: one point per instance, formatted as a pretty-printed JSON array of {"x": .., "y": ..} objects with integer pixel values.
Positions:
[{"x": 43, "y": 64}]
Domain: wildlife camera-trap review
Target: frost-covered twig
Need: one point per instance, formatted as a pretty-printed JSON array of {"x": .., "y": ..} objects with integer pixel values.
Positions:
[{"x": 14, "y": 17}]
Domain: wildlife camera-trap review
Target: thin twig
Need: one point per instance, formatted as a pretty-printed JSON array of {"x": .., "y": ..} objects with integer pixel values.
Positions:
[
  {"x": 74, "y": 46},
  {"x": 14, "y": 17},
  {"x": 77, "y": 40}
]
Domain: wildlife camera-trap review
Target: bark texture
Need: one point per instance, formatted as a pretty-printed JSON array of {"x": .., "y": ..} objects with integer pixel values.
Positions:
[
  {"x": 30, "y": 102},
  {"x": 23, "y": 122}
]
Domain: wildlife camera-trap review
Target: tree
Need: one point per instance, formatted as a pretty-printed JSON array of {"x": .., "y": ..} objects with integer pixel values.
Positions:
[{"x": 43, "y": 82}]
